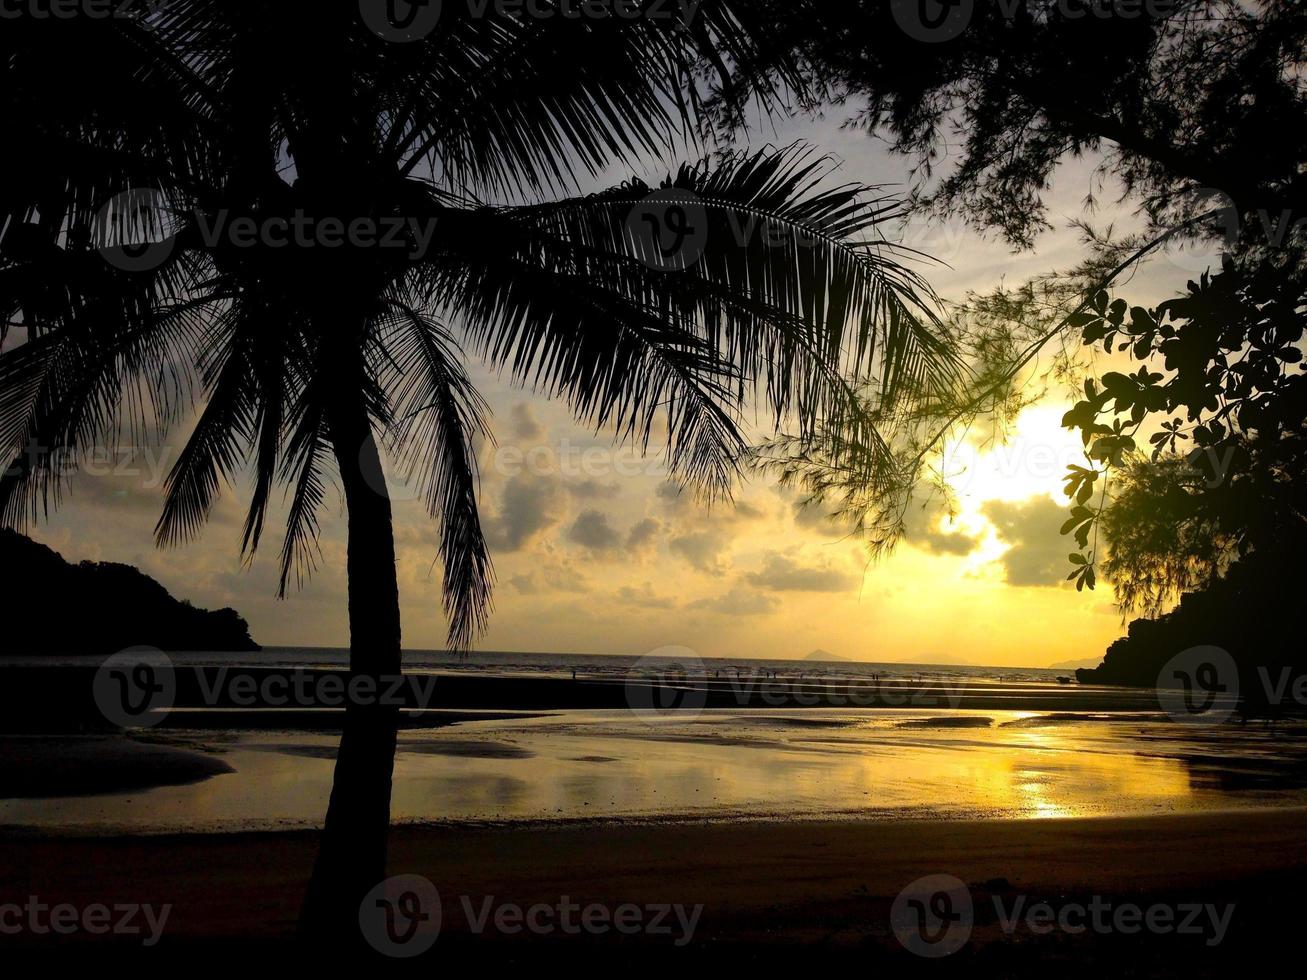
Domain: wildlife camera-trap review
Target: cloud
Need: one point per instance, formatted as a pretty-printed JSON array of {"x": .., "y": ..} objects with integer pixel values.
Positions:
[
  {"x": 1038, "y": 552},
  {"x": 674, "y": 499},
  {"x": 679, "y": 501},
  {"x": 643, "y": 536},
  {"x": 529, "y": 506},
  {"x": 703, "y": 549},
  {"x": 710, "y": 532},
  {"x": 523, "y": 422},
  {"x": 591, "y": 530},
  {"x": 813, "y": 516},
  {"x": 645, "y": 596},
  {"x": 551, "y": 574},
  {"x": 922, "y": 528},
  {"x": 526, "y": 584},
  {"x": 784, "y": 574},
  {"x": 740, "y": 601},
  {"x": 594, "y": 490}
]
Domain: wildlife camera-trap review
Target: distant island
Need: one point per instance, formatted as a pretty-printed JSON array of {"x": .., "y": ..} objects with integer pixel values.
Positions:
[
  {"x": 1083, "y": 663},
  {"x": 54, "y": 607},
  {"x": 825, "y": 656}
]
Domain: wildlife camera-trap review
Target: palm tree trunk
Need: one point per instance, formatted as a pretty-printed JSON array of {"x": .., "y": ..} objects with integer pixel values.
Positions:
[{"x": 352, "y": 856}]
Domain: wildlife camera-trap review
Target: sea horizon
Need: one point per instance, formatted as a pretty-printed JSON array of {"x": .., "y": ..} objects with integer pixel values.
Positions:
[{"x": 562, "y": 663}]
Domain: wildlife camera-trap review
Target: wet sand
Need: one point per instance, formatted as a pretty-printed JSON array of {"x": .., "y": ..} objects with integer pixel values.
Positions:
[
  {"x": 39, "y": 767},
  {"x": 776, "y": 765}
]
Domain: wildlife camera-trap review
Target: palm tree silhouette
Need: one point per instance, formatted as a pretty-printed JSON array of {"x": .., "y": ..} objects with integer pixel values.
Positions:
[{"x": 215, "y": 128}]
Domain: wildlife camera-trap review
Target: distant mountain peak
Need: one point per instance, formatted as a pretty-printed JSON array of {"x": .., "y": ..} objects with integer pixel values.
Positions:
[{"x": 824, "y": 655}]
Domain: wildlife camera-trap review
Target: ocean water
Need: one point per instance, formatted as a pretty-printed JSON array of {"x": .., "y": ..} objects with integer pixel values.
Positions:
[{"x": 612, "y": 666}]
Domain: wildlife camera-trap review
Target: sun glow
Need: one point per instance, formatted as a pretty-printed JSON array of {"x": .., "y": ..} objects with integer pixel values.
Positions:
[{"x": 1031, "y": 461}]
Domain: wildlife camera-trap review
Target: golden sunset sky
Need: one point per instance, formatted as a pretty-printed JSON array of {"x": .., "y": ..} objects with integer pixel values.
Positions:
[{"x": 596, "y": 553}]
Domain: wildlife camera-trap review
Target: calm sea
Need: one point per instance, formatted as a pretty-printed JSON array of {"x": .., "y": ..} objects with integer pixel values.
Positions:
[{"x": 591, "y": 665}]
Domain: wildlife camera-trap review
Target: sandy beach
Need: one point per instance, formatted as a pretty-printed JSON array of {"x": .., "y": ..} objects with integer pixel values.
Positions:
[{"x": 766, "y": 889}]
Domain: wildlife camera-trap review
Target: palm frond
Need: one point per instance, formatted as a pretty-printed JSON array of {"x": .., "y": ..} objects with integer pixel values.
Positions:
[
  {"x": 778, "y": 296},
  {"x": 307, "y": 455},
  {"x": 438, "y": 416}
]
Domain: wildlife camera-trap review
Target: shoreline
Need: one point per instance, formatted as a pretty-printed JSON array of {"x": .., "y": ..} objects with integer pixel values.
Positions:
[
  {"x": 269, "y": 696},
  {"x": 867, "y": 817}
]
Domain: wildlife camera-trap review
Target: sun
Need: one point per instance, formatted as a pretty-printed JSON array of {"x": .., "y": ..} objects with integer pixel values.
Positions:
[{"x": 1032, "y": 461}]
